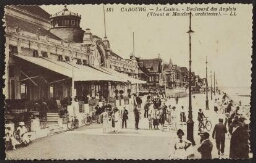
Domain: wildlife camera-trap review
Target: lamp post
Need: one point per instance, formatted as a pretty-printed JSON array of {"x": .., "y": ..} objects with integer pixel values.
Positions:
[
  {"x": 211, "y": 85},
  {"x": 190, "y": 122},
  {"x": 214, "y": 88},
  {"x": 206, "y": 91}
]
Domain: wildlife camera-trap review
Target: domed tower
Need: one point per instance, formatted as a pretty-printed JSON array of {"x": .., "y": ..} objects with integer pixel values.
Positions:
[{"x": 66, "y": 25}]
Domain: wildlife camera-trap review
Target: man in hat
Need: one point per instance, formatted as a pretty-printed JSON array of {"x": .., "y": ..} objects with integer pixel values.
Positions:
[
  {"x": 218, "y": 134},
  {"x": 239, "y": 148},
  {"x": 137, "y": 118},
  {"x": 23, "y": 133},
  {"x": 124, "y": 116},
  {"x": 205, "y": 147}
]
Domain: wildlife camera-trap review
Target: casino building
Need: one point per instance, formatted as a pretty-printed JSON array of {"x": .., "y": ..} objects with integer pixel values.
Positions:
[{"x": 47, "y": 54}]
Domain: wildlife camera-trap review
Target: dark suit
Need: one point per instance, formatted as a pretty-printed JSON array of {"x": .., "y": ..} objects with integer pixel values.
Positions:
[
  {"x": 137, "y": 118},
  {"x": 219, "y": 134},
  {"x": 239, "y": 147},
  {"x": 205, "y": 149}
]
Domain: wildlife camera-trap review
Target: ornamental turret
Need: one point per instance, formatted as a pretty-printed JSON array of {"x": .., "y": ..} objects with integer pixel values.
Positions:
[{"x": 66, "y": 25}]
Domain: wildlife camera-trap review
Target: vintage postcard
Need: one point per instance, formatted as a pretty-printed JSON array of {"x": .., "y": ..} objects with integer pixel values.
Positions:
[{"x": 115, "y": 81}]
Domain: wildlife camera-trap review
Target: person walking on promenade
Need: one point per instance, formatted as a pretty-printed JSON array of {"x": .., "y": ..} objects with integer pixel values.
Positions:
[
  {"x": 216, "y": 106},
  {"x": 117, "y": 121},
  {"x": 180, "y": 146},
  {"x": 124, "y": 116},
  {"x": 105, "y": 120},
  {"x": 218, "y": 134},
  {"x": 239, "y": 148},
  {"x": 134, "y": 101},
  {"x": 146, "y": 108},
  {"x": 177, "y": 100},
  {"x": 150, "y": 121},
  {"x": 174, "y": 118},
  {"x": 182, "y": 115},
  {"x": 169, "y": 112},
  {"x": 164, "y": 111},
  {"x": 229, "y": 107},
  {"x": 156, "y": 119},
  {"x": 206, "y": 146},
  {"x": 137, "y": 118}
]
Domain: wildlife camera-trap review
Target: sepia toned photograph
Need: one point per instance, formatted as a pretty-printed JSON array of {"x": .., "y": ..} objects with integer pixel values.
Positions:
[{"x": 126, "y": 81}]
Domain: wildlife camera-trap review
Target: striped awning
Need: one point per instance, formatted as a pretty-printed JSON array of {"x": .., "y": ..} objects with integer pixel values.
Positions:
[{"x": 75, "y": 71}]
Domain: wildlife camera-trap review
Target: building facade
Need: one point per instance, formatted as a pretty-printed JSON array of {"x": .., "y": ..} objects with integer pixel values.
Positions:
[{"x": 43, "y": 52}]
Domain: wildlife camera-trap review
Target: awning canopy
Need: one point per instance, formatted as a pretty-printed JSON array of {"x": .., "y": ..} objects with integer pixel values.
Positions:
[
  {"x": 125, "y": 76},
  {"x": 81, "y": 72}
]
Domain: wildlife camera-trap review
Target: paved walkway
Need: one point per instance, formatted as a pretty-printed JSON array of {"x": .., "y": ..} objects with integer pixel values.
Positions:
[{"x": 90, "y": 142}]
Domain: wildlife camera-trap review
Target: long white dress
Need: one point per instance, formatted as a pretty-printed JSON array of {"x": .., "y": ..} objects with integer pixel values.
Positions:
[
  {"x": 105, "y": 120},
  {"x": 117, "y": 122}
]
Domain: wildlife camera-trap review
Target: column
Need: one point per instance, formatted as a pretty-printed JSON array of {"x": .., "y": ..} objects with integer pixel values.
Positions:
[
  {"x": 17, "y": 83},
  {"x": 109, "y": 90},
  {"x": 6, "y": 76}
]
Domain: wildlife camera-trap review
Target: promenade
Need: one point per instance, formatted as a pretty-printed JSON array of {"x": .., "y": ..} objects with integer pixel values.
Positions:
[{"x": 90, "y": 142}]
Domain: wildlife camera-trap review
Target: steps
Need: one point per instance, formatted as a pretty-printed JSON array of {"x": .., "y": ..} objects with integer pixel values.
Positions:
[{"x": 52, "y": 117}]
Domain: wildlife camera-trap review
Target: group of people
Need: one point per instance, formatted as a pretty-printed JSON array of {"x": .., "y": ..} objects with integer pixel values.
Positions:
[
  {"x": 114, "y": 119},
  {"x": 159, "y": 111},
  {"x": 18, "y": 137}
]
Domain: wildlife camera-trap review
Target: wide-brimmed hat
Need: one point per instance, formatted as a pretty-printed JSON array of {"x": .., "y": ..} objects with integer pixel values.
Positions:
[{"x": 21, "y": 123}]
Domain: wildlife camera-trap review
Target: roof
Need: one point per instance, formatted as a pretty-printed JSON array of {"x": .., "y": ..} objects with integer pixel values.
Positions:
[
  {"x": 29, "y": 27},
  {"x": 152, "y": 65},
  {"x": 115, "y": 55},
  {"x": 35, "y": 10},
  {"x": 183, "y": 69},
  {"x": 124, "y": 76},
  {"x": 65, "y": 12},
  {"x": 167, "y": 67}
]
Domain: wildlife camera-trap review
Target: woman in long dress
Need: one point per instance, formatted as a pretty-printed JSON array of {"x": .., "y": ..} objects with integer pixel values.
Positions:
[
  {"x": 105, "y": 120},
  {"x": 117, "y": 121},
  {"x": 180, "y": 147},
  {"x": 169, "y": 112}
]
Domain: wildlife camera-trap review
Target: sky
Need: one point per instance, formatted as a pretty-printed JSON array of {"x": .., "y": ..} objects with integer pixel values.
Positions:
[{"x": 225, "y": 40}]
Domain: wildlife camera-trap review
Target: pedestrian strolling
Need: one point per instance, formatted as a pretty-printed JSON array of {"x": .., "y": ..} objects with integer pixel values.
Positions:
[
  {"x": 124, "y": 116},
  {"x": 216, "y": 106},
  {"x": 239, "y": 148},
  {"x": 169, "y": 112},
  {"x": 137, "y": 118},
  {"x": 177, "y": 100},
  {"x": 146, "y": 108},
  {"x": 205, "y": 147},
  {"x": 117, "y": 121},
  {"x": 156, "y": 119},
  {"x": 218, "y": 134},
  {"x": 174, "y": 118},
  {"x": 182, "y": 115},
  {"x": 105, "y": 120}
]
